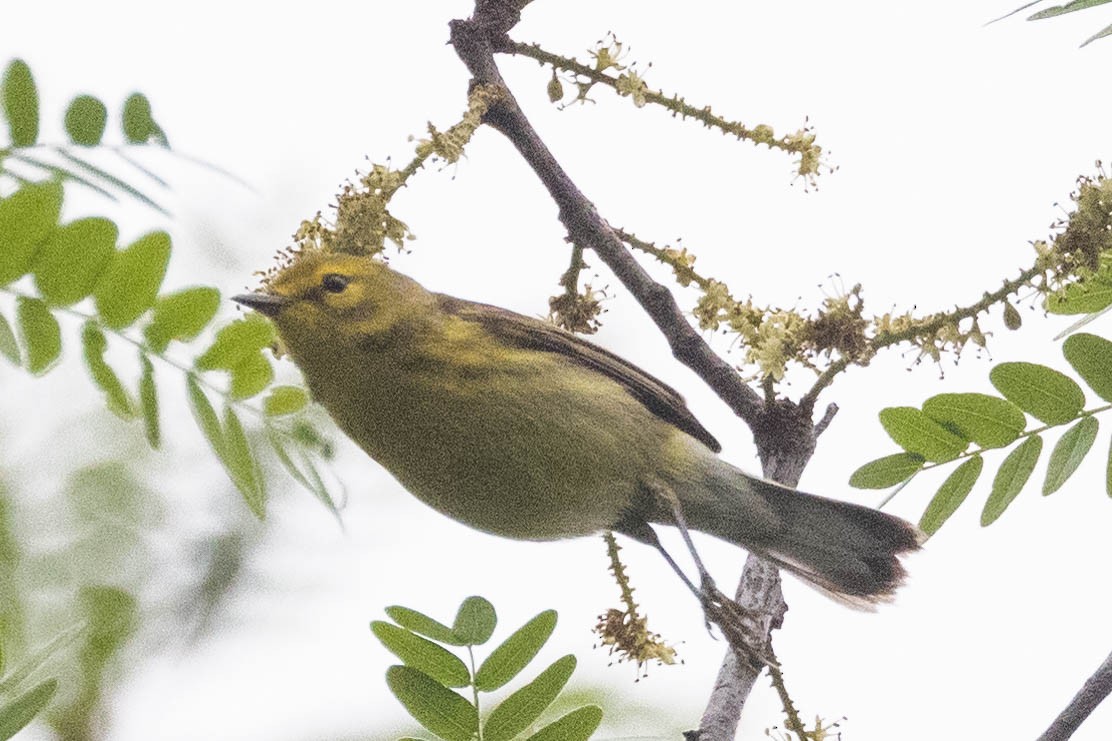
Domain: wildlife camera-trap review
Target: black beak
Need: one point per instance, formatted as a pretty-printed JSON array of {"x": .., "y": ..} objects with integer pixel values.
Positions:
[{"x": 267, "y": 304}]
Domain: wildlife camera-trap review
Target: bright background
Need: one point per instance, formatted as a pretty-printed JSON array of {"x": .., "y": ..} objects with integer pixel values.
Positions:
[{"x": 954, "y": 143}]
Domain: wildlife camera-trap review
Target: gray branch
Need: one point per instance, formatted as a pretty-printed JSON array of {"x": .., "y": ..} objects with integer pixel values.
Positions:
[
  {"x": 785, "y": 439},
  {"x": 758, "y": 593},
  {"x": 1091, "y": 694}
]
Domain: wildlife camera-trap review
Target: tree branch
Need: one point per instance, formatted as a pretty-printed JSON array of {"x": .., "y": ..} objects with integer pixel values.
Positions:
[
  {"x": 785, "y": 438},
  {"x": 1092, "y": 693},
  {"x": 759, "y": 595},
  {"x": 475, "y": 41}
]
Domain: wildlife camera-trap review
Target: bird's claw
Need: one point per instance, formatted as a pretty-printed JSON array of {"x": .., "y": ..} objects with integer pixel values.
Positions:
[{"x": 736, "y": 624}]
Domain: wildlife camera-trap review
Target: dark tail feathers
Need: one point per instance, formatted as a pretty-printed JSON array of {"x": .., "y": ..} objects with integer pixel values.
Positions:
[{"x": 847, "y": 551}]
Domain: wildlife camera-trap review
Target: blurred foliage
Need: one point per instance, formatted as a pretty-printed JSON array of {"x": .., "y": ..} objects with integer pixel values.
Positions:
[
  {"x": 1054, "y": 11},
  {"x": 79, "y": 264},
  {"x": 77, "y": 570}
]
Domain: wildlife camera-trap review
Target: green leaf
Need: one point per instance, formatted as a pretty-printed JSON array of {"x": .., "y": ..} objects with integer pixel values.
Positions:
[
  {"x": 422, "y": 624},
  {"x": 1067, "y": 455},
  {"x": 1044, "y": 393},
  {"x": 578, "y": 725},
  {"x": 41, "y": 335},
  {"x": 285, "y": 400},
  {"x": 1011, "y": 478},
  {"x": 40, "y": 657},
  {"x": 1106, "y": 31},
  {"x": 422, "y": 654},
  {"x": 475, "y": 621},
  {"x": 71, "y": 259},
  {"x": 85, "y": 120},
  {"x": 112, "y": 616},
  {"x": 521, "y": 709},
  {"x": 251, "y": 374},
  {"x": 887, "y": 471},
  {"x": 231, "y": 447},
  {"x": 1067, "y": 8},
  {"x": 1083, "y": 297},
  {"x": 181, "y": 316},
  {"x": 94, "y": 342},
  {"x": 9, "y": 348},
  {"x": 309, "y": 478},
  {"x": 15, "y": 715},
  {"x": 1091, "y": 357},
  {"x": 1108, "y": 474},
  {"x": 21, "y": 104},
  {"x": 236, "y": 341},
  {"x": 139, "y": 125},
  {"x": 242, "y": 465},
  {"x": 100, "y": 175},
  {"x": 310, "y": 438},
  {"x": 432, "y": 704},
  {"x": 130, "y": 283},
  {"x": 205, "y": 415},
  {"x": 507, "y": 661},
  {"x": 917, "y": 433},
  {"x": 989, "y": 421},
  {"x": 148, "y": 402},
  {"x": 27, "y": 217},
  {"x": 951, "y": 494}
]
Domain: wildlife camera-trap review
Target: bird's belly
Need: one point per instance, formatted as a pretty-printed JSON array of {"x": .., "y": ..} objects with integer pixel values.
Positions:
[{"x": 527, "y": 462}]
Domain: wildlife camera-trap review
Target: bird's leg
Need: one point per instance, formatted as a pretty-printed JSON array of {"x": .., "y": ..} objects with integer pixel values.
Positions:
[
  {"x": 668, "y": 496},
  {"x": 731, "y": 618},
  {"x": 636, "y": 528}
]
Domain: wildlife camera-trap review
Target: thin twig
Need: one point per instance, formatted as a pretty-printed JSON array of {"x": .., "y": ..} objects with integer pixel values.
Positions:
[
  {"x": 923, "y": 328},
  {"x": 827, "y": 418}
]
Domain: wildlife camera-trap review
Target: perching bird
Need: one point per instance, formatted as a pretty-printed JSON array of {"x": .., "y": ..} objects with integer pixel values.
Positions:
[{"x": 515, "y": 427}]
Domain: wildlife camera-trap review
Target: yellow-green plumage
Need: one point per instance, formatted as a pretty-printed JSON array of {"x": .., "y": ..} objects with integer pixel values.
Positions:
[{"x": 512, "y": 426}]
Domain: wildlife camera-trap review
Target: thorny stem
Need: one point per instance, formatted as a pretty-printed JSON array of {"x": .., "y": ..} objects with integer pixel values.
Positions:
[
  {"x": 792, "y": 721},
  {"x": 677, "y": 105},
  {"x": 411, "y": 169},
  {"x": 570, "y": 279},
  {"x": 618, "y": 569},
  {"x": 922, "y": 329},
  {"x": 661, "y": 254}
]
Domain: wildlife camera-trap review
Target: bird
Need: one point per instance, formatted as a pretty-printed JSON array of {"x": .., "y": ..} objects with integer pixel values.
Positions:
[{"x": 513, "y": 426}]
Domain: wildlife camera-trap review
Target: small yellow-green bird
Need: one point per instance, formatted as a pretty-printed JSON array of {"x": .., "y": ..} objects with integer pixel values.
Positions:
[{"x": 518, "y": 428}]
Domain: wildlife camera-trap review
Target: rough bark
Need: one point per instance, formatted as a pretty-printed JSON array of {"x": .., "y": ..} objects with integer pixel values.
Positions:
[{"x": 1092, "y": 693}]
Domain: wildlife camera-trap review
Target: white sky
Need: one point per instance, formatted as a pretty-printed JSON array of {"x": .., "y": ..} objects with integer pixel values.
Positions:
[{"x": 954, "y": 142}]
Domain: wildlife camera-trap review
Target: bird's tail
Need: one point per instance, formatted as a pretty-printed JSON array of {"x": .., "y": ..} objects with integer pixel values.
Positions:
[{"x": 847, "y": 551}]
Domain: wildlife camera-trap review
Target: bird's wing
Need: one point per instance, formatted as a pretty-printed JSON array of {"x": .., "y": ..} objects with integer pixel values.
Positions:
[{"x": 534, "y": 334}]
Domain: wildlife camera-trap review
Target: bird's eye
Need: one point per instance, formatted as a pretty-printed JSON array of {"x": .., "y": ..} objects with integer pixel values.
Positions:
[{"x": 335, "y": 283}]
